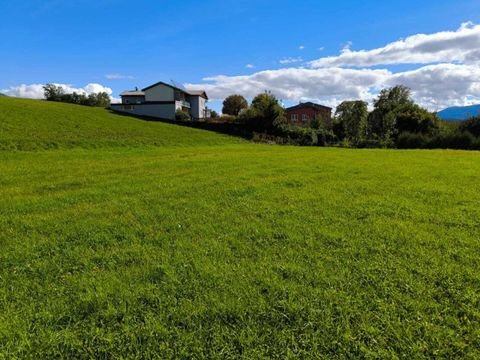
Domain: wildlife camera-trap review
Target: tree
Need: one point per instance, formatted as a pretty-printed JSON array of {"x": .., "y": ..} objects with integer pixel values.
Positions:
[
  {"x": 412, "y": 118},
  {"x": 265, "y": 113},
  {"x": 103, "y": 99},
  {"x": 213, "y": 114},
  {"x": 53, "y": 92},
  {"x": 382, "y": 121},
  {"x": 233, "y": 104},
  {"x": 353, "y": 116}
]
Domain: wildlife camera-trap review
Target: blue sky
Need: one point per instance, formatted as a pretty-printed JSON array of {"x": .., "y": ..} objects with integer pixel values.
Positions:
[{"x": 122, "y": 44}]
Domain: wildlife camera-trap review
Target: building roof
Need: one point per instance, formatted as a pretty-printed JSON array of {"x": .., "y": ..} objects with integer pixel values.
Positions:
[
  {"x": 308, "y": 104},
  {"x": 132, "y": 93},
  {"x": 201, "y": 93}
]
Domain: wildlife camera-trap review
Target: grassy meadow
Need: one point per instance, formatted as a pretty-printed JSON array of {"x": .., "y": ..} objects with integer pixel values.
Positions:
[{"x": 132, "y": 239}]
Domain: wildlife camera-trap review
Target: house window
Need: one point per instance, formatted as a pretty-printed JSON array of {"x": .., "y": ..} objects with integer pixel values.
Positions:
[
  {"x": 294, "y": 117},
  {"x": 126, "y": 101},
  {"x": 304, "y": 117}
]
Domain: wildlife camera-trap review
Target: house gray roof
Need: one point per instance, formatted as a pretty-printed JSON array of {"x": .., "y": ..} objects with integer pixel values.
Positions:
[
  {"x": 132, "y": 93},
  {"x": 201, "y": 93}
]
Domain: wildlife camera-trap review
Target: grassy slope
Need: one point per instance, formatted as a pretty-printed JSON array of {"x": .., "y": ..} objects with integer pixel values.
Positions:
[
  {"x": 32, "y": 124},
  {"x": 240, "y": 250}
]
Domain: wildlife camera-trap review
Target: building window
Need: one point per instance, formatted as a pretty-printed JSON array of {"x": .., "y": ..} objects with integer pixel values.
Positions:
[
  {"x": 294, "y": 117},
  {"x": 304, "y": 117},
  {"x": 126, "y": 101}
]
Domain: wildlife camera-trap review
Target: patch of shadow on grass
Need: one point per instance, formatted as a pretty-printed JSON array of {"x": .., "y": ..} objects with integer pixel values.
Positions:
[
  {"x": 248, "y": 191},
  {"x": 292, "y": 184},
  {"x": 52, "y": 188}
]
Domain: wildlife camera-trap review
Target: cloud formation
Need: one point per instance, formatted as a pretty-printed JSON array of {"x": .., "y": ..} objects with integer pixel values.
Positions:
[
  {"x": 462, "y": 45},
  {"x": 444, "y": 71},
  {"x": 35, "y": 91},
  {"x": 434, "y": 86}
]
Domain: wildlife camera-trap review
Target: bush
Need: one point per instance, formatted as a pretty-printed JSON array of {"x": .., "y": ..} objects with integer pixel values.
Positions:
[
  {"x": 306, "y": 136},
  {"x": 227, "y": 119},
  {"x": 463, "y": 140},
  {"x": 456, "y": 140},
  {"x": 182, "y": 116},
  {"x": 472, "y": 126},
  {"x": 407, "y": 140}
]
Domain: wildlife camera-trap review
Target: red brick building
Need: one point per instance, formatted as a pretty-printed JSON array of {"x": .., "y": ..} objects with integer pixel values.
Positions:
[{"x": 303, "y": 113}]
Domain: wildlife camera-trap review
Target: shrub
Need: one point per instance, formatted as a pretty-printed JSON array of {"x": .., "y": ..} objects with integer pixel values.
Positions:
[
  {"x": 227, "y": 119},
  {"x": 407, "y": 140},
  {"x": 472, "y": 126},
  {"x": 182, "y": 116},
  {"x": 302, "y": 136},
  {"x": 463, "y": 140}
]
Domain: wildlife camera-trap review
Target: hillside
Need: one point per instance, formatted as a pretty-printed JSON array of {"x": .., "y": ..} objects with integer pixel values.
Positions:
[
  {"x": 459, "y": 113},
  {"x": 139, "y": 240},
  {"x": 34, "y": 124}
]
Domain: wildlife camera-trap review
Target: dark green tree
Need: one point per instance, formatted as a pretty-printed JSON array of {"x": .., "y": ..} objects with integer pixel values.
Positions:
[
  {"x": 353, "y": 116},
  {"x": 265, "y": 113},
  {"x": 382, "y": 120},
  {"x": 103, "y": 99},
  {"x": 53, "y": 92},
  {"x": 233, "y": 104},
  {"x": 412, "y": 118}
]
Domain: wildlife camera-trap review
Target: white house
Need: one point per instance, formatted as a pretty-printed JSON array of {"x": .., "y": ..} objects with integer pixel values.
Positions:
[{"x": 162, "y": 100}]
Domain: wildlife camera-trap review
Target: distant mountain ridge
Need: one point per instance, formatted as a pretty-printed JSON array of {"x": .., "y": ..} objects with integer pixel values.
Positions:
[{"x": 459, "y": 113}]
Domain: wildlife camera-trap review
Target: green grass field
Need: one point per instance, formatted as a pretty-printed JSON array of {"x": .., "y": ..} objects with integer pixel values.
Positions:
[{"x": 148, "y": 240}]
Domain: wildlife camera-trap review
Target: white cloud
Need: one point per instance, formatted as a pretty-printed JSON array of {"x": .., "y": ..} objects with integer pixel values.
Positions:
[
  {"x": 250, "y": 66},
  {"x": 290, "y": 60},
  {"x": 462, "y": 45},
  {"x": 433, "y": 86},
  {"x": 35, "y": 91},
  {"x": 118, "y": 77},
  {"x": 301, "y": 47},
  {"x": 328, "y": 85}
]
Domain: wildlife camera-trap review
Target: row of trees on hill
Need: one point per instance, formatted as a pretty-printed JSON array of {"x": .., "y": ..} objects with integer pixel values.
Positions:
[
  {"x": 395, "y": 121},
  {"x": 53, "y": 92}
]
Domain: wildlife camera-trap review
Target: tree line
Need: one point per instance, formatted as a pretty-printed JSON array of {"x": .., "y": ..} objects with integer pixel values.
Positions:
[
  {"x": 395, "y": 121},
  {"x": 53, "y": 92}
]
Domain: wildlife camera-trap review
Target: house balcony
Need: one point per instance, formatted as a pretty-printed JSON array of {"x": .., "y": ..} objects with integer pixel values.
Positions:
[{"x": 182, "y": 104}]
